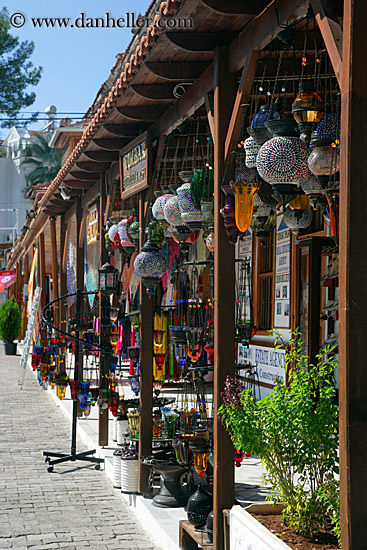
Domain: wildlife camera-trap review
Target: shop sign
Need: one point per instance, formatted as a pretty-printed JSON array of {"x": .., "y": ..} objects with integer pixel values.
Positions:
[
  {"x": 282, "y": 274},
  {"x": 92, "y": 225},
  {"x": 134, "y": 169},
  {"x": 270, "y": 363}
]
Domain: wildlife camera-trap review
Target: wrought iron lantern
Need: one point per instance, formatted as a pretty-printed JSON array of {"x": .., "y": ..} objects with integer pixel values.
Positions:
[
  {"x": 297, "y": 219},
  {"x": 108, "y": 279}
]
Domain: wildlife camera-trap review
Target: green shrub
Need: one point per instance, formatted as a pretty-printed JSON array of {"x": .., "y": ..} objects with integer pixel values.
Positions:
[
  {"x": 10, "y": 320},
  {"x": 294, "y": 431}
]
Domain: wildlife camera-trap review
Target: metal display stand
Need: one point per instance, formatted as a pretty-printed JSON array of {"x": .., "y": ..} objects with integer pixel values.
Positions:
[{"x": 73, "y": 455}]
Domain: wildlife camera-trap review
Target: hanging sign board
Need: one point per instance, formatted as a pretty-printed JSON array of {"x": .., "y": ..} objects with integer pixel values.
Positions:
[
  {"x": 282, "y": 274},
  {"x": 270, "y": 363},
  {"x": 134, "y": 167},
  {"x": 245, "y": 245},
  {"x": 92, "y": 225}
]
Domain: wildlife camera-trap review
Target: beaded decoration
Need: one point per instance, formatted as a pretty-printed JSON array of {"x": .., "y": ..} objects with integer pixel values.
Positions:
[{"x": 283, "y": 160}]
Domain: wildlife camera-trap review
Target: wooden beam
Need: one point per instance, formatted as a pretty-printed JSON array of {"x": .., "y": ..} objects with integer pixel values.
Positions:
[
  {"x": 200, "y": 41},
  {"x": 224, "y": 298},
  {"x": 261, "y": 30},
  {"x": 142, "y": 113},
  {"x": 104, "y": 332},
  {"x": 52, "y": 212},
  {"x": 92, "y": 166},
  {"x": 74, "y": 184},
  {"x": 332, "y": 35},
  {"x": 352, "y": 270},
  {"x": 54, "y": 209},
  {"x": 80, "y": 175},
  {"x": 146, "y": 374},
  {"x": 177, "y": 71},
  {"x": 55, "y": 269},
  {"x": 243, "y": 93},
  {"x": 234, "y": 7},
  {"x": 122, "y": 130},
  {"x": 102, "y": 156},
  {"x": 155, "y": 92},
  {"x": 60, "y": 203},
  {"x": 110, "y": 144},
  {"x": 209, "y": 105},
  {"x": 42, "y": 267}
]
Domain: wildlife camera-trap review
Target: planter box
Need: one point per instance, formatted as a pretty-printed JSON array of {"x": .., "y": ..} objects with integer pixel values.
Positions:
[{"x": 246, "y": 533}]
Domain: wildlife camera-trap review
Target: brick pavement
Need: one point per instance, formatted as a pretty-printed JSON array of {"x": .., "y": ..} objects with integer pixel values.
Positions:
[{"x": 75, "y": 507}]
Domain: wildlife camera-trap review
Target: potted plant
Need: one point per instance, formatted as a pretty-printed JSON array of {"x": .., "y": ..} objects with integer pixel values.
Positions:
[
  {"x": 10, "y": 323},
  {"x": 294, "y": 431}
]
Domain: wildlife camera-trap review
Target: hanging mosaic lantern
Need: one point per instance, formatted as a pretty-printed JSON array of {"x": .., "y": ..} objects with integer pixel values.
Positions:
[
  {"x": 228, "y": 213},
  {"x": 114, "y": 236},
  {"x": 327, "y": 129},
  {"x": 307, "y": 109},
  {"x": 191, "y": 215},
  {"x": 244, "y": 193},
  {"x": 150, "y": 265},
  {"x": 324, "y": 161},
  {"x": 282, "y": 161},
  {"x": 297, "y": 220},
  {"x": 258, "y": 129},
  {"x": 172, "y": 212},
  {"x": 251, "y": 150},
  {"x": 125, "y": 240},
  {"x": 313, "y": 189},
  {"x": 158, "y": 209}
]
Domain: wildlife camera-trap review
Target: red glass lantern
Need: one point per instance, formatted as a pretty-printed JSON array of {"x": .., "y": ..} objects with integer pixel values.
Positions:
[
  {"x": 239, "y": 455},
  {"x": 74, "y": 388}
]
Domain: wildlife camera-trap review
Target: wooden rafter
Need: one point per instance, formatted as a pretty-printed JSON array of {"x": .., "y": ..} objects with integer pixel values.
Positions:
[
  {"x": 143, "y": 113},
  {"x": 102, "y": 156},
  {"x": 80, "y": 175},
  {"x": 92, "y": 166},
  {"x": 234, "y": 7},
  {"x": 177, "y": 71},
  {"x": 155, "y": 92},
  {"x": 110, "y": 144},
  {"x": 200, "y": 41}
]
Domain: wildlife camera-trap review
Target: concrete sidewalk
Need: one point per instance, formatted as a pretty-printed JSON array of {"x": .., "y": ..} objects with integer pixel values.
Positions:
[{"x": 76, "y": 506}]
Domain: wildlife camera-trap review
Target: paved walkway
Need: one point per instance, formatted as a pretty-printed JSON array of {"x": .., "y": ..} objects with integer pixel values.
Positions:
[{"x": 76, "y": 506}]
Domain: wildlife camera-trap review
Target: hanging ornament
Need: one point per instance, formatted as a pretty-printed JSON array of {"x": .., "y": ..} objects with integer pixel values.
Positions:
[
  {"x": 307, "y": 109},
  {"x": 150, "y": 265},
  {"x": 210, "y": 242},
  {"x": 245, "y": 328},
  {"x": 228, "y": 213},
  {"x": 301, "y": 202},
  {"x": 251, "y": 150},
  {"x": 282, "y": 161},
  {"x": 297, "y": 220},
  {"x": 158, "y": 207},
  {"x": 244, "y": 192},
  {"x": 133, "y": 232},
  {"x": 172, "y": 212},
  {"x": 313, "y": 189},
  {"x": 263, "y": 222},
  {"x": 191, "y": 216},
  {"x": 125, "y": 240}
]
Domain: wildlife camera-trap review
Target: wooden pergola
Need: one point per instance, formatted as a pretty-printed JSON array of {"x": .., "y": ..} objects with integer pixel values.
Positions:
[{"x": 214, "y": 61}]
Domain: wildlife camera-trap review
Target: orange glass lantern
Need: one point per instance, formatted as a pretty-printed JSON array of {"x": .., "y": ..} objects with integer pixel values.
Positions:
[
  {"x": 307, "y": 108},
  {"x": 61, "y": 385},
  {"x": 200, "y": 449},
  {"x": 244, "y": 193}
]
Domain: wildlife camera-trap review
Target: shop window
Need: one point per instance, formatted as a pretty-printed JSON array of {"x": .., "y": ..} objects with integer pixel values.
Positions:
[{"x": 264, "y": 283}]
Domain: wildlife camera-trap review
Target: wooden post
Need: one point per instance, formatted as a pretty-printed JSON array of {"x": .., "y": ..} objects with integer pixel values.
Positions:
[
  {"x": 79, "y": 277},
  {"x": 352, "y": 273},
  {"x": 42, "y": 267},
  {"x": 63, "y": 287},
  {"x": 146, "y": 374},
  {"x": 25, "y": 281},
  {"x": 55, "y": 268},
  {"x": 224, "y": 298},
  {"x": 104, "y": 336}
]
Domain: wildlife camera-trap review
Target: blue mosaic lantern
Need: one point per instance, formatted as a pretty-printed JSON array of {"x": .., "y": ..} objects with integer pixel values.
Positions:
[{"x": 150, "y": 265}]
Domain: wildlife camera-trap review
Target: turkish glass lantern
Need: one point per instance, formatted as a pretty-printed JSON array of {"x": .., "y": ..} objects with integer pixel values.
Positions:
[
  {"x": 134, "y": 354},
  {"x": 313, "y": 189},
  {"x": 297, "y": 219},
  {"x": 150, "y": 265},
  {"x": 207, "y": 215},
  {"x": 157, "y": 387},
  {"x": 125, "y": 240},
  {"x": 134, "y": 232},
  {"x": 61, "y": 384},
  {"x": 155, "y": 232},
  {"x": 134, "y": 381},
  {"x": 244, "y": 193},
  {"x": 158, "y": 207},
  {"x": 251, "y": 150},
  {"x": 282, "y": 160},
  {"x": 324, "y": 161},
  {"x": 301, "y": 202},
  {"x": 170, "y": 421},
  {"x": 307, "y": 108},
  {"x": 133, "y": 419},
  {"x": 172, "y": 212},
  {"x": 210, "y": 242},
  {"x": 114, "y": 236},
  {"x": 108, "y": 279},
  {"x": 135, "y": 319},
  {"x": 202, "y": 185},
  {"x": 200, "y": 447},
  {"x": 239, "y": 455},
  {"x": 74, "y": 388},
  {"x": 263, "y": 225},
  {"x": 228, "y": 213},
  {"x": 191, "y": 215}
]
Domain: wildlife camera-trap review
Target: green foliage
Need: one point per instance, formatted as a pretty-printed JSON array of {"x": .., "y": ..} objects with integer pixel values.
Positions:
[
  {"x": 45, "y": 162},
  {"x": 294, "y": 431},
  {"x": 17, "y": 73},
  {"x": 10, "y": 320}
]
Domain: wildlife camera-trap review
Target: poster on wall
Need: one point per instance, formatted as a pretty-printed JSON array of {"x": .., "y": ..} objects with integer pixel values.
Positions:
[
  {"x": 245, "y": 245},
  {"x": 282, "y": 274}
]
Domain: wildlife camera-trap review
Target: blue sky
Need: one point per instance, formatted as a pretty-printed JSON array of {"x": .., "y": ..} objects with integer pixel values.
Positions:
[{"x": 75, "y": 61}]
